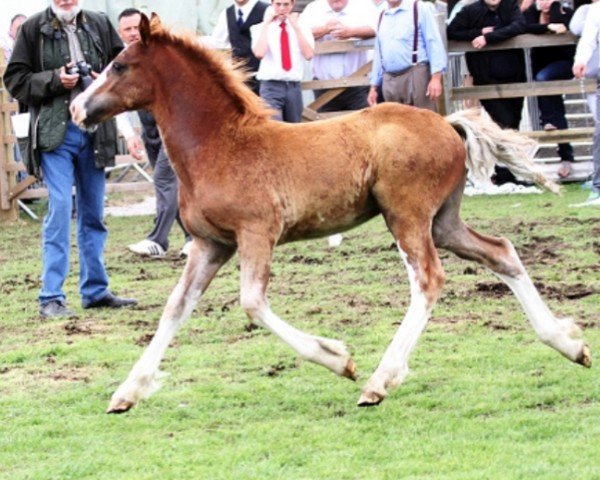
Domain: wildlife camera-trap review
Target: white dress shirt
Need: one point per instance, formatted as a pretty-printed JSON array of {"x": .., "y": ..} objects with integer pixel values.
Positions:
[
  {"x": 270, "y": 65},
  {"x": 357, "y": 13},
  {"x": 220, "y": 35}
]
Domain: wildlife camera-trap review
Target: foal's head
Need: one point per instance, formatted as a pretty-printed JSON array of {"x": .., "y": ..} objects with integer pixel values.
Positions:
[{"x": 147, "y": 70}]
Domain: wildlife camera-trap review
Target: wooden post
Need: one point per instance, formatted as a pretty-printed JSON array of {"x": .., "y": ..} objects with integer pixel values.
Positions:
[{"x": 9, "y": 210}]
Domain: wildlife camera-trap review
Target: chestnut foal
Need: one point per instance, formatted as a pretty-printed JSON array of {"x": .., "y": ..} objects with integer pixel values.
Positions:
[{"x": 248, "y": 183}]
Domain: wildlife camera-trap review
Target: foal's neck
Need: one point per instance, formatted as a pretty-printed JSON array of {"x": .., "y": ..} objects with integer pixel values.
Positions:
[{"x": 194, "y": 110}]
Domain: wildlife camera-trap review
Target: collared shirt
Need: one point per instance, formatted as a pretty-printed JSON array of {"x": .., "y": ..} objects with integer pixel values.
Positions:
[
  {"x": 357, "y": 13},
  {"x": 587, "y": 47},
  {"x": 270, "y": 65},
  {"x": 395, "y": 36},
  {"x": 220, "y": 35}
]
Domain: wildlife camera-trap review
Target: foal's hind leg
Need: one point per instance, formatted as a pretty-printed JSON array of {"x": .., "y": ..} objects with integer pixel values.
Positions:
[
  {"x": 204, "y": 260},
  {"x": 255, "y": 258},
  {"x": 426, "y": 278},
  {"x": 499, "y": 255}
]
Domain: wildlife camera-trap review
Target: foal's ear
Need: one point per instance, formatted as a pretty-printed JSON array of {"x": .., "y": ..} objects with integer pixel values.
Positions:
[
  {"x": 145, "y": 29},
  {"x": 155, "y": 23}
]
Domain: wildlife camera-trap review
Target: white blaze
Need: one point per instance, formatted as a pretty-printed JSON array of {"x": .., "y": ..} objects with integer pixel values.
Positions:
[{"x": 78, "y": 113}]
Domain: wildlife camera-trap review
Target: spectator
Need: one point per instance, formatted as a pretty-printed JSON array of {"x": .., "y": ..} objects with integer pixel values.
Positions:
[
  {"x": 490, "y": 22},
  {"x": 8, "y": 41},
  {"x": 409, "y": 57},
  {"x": 586, "y": 49},
  {"x": 552, "y": 63},
  {"x": 591, "y": 69},
  {"x": 233, "y": 29},
  {"x": 39, "y": 74},
  {"x": 340, "y": 20},
  {"x": 282, "y": 43},
  {"x": 156, "y": 244}
]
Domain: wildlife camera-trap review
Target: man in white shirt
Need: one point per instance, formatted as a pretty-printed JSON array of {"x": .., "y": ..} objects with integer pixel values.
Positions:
[
  {"x": 341, "y": 20},
  {"x": 233, "y": 30},
  {"x": 282, "y": 43}
]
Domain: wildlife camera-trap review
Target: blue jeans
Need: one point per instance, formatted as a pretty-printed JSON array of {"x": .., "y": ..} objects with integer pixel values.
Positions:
[
  {"x": 72, "y": 163},
  {"x": 552, "y": 107}
]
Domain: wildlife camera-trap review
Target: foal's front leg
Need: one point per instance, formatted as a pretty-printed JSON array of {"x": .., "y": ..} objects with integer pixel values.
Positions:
[
  {"x": 204, "y": 260},
  {"x": 255, "y": 257}
]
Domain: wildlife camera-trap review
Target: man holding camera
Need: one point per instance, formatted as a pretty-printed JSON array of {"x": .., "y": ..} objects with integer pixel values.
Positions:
[{"x": 56, "y": 52}]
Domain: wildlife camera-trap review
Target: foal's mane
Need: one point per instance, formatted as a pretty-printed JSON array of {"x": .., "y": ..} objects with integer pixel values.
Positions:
[{"x": 230, "y": 76}]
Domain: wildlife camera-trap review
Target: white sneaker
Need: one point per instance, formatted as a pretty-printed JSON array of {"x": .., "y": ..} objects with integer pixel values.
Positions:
[
  {"x": 148, "y": 248},
  {"x": 335, "y": 240},
  {"x": 185, "y": 251}
]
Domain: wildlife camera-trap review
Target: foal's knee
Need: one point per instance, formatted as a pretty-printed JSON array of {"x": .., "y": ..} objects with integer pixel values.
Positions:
[
  {"x": 432, "y": 284},
  {"x": 253, "y": 304}
]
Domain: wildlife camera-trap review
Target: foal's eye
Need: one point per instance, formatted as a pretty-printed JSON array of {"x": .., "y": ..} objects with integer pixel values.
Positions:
[{"x": 118, "y": 67}]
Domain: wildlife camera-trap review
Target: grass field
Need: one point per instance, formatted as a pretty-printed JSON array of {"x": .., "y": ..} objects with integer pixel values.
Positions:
[{"x": 485, "y": 399}]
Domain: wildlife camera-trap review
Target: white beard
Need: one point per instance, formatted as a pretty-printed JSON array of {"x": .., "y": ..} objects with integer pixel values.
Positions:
[{"x": 66, "y": 16}]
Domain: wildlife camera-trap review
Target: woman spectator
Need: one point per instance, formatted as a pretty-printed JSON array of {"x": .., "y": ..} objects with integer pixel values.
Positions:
[{"x": 552, "y": 63}]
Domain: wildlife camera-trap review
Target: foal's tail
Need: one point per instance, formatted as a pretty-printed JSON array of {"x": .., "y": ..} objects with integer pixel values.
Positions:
[{"x": 486, "y": 143}]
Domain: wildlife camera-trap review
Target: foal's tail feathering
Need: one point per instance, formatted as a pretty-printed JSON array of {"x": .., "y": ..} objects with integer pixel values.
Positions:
[{"x": 486, "y": 143}]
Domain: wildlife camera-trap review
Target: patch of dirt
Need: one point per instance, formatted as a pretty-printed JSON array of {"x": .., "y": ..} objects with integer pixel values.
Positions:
[
  {"x": 378, "y": 249},
  {"x": 144, "y": 340},
  {"x": 492, "y": 289},
  {"x": 70, "y": 376},
  {"x": 250, "y": 327},
  {"x": 274, "y": 370},
  {"x": 541, "y": 250},
  {"x": 78, "y": 328},
  {"x": 306, "y": 260},
  {"x": 144, "y": 275},
  {"x": 559, "y": 292},
  {"x": 491, "y": 324},
  {"x": 563, "y": 291},
  {"x": 140, "y": 324},
  {"x": 28, "y": 282}
]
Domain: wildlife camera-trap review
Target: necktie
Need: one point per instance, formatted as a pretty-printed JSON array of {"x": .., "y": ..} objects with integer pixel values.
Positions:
[
  {"x": 240, "y": 20},
  {"x": 286, "y": 59}
]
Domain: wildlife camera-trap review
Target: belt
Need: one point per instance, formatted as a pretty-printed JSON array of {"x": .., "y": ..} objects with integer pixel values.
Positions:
[
  {"x": 406, "y": 70},
  {"x": 284, "y": 82}
]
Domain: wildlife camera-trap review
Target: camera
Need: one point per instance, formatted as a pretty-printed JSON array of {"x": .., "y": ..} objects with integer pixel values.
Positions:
[{"x": 84, "y": 70}]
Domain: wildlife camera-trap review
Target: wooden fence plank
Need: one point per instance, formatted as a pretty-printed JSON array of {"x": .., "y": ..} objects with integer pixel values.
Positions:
[{"x": 528, "y": 89}]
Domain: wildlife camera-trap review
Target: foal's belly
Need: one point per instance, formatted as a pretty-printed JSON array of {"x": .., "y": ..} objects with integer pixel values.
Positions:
[{"x": 325, "y": 222}]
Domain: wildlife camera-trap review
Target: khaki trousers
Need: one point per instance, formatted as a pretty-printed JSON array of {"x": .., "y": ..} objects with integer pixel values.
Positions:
[{"x": 409, "y": 87}]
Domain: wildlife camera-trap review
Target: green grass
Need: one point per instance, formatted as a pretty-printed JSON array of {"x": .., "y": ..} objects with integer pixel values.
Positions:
[{"x": 485, "y": 399}]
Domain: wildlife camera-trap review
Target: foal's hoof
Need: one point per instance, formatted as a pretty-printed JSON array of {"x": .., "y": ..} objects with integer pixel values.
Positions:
[
  {"x": 585, "y": 357},
  {"x": 350, "y": 371},
  {"x": 119, "y": 405},
  {"x": 370, "y": 399}
]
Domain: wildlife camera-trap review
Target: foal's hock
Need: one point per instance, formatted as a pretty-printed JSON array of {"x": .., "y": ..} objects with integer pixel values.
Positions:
[{"x": 248, "y": 184}]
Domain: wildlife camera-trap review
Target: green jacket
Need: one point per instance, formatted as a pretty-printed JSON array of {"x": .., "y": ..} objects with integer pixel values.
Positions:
[{"x": 32, "y": 77}]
